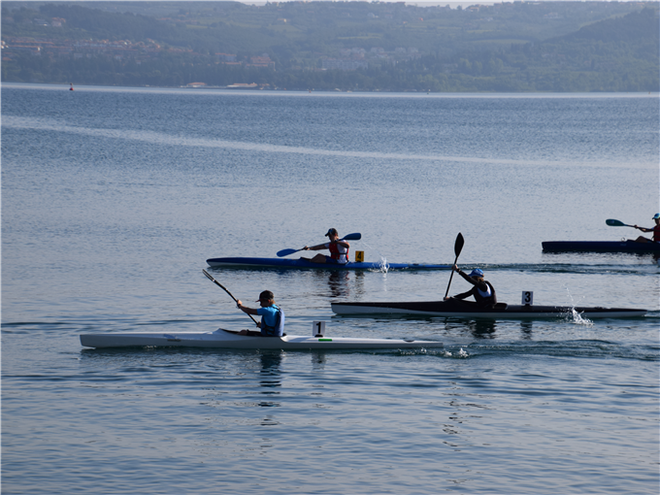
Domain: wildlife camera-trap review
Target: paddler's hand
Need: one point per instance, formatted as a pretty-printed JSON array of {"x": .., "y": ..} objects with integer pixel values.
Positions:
[
  {"x": 239, "y": 304},
  {"x": 306, "y": 248}
]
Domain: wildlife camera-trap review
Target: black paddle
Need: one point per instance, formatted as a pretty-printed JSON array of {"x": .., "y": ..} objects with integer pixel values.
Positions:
[
  {"x": 458, "y": 247},
  {"x": 349, "y": 237},
  {"x": 223, "y": 288},
  {"x": 616, "y": 223}
]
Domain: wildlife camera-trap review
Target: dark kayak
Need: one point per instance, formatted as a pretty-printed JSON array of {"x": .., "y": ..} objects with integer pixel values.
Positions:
[
  {"x": 601, "y": 246},
  {"x": 463, "y": 309},
  {"x": 284, "y": 263}
]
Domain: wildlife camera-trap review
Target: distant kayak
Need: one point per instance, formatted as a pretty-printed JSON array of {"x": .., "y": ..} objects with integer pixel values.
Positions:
[
  {"x": 284, "y": 263},
  {"x": 465, "y": 309},
  {"x": 229, "y": 339},
  {"x": 601, "y": 246}
]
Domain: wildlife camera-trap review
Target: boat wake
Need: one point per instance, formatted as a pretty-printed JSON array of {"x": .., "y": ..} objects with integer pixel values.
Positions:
[
  {"x": 460, "y": 354},
  {"x": 598, "y": 267},
  {"x": 48, "y": 124}
]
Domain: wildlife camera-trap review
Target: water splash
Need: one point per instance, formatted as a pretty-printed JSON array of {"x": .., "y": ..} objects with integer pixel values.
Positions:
[
  {"x": 461, "y": 354},
  {"x": 384, "y": 265},
  {"x": 573, "y": 315}
]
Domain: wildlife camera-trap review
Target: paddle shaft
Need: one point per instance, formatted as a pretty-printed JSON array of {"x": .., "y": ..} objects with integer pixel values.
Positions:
[
  {"x": 458, "y": 247},
  {"x": 350, "y": 237},
  {"x": 225, "y": 289}
]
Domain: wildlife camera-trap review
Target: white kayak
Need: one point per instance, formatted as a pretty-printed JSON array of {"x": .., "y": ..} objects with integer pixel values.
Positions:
[{"x": 230, "y": 339}]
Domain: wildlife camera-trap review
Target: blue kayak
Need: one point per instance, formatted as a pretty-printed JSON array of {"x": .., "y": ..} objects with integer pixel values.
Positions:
[
  {"x": 298, "y": 264},
  {"x": 601, "y": 246}
]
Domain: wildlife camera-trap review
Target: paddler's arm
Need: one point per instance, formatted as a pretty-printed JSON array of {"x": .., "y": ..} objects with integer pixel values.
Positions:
[
  {"x": 465, "y": 276},
  {"x": 461, "y": 296},
  {"x": 245, "y": 309},
  {"x": 318, "y": 247},
  {"x": 250, "y": 311},
  {"x": 481, "y": 285},
  {"x": 643, "y": 229}
]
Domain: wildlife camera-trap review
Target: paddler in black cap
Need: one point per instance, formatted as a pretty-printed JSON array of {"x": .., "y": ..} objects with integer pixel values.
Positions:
[
  {"x": 338, "y": 249},
  {"x": 272, "y": 317}
]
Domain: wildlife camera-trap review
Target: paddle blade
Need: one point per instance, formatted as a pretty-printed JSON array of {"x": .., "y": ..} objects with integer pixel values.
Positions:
[
  {"x": 458, "y": 247},
  {"x": 286, "y": 252},
  {"x": 615, "y": 223},
  {"x": 458, "y": 244},
  {"x": 352, "y": 237}
]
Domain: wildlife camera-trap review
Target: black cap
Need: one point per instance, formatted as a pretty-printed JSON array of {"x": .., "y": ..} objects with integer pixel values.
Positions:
[
  {"x": 266, "y": 296},
  {"x": 331, "y": 231}
]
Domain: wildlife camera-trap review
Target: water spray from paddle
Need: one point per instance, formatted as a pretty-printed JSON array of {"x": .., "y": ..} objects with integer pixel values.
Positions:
[
  {"x": 384, "y": 265},
  {"x": 574, "y": 316}
]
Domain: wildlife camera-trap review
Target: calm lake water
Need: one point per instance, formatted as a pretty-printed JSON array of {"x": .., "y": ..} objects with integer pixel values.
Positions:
[{"x": 113, "y": 198}]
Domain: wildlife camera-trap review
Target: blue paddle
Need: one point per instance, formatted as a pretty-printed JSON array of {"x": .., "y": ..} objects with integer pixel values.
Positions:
[
  {"x": 616, "y": 223},
  {"x": 349, "y": 237}
]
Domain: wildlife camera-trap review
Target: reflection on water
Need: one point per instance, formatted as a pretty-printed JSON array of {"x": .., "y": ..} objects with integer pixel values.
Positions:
[
  {"x": 318, "y": 361},
  {"x": 270, "y": 378},
  {"x": 483, "y": 329},
  {"x": 526, "y": 330},
  {"x": 270, "y": 370},
  {"x": 338, "y": 283}
]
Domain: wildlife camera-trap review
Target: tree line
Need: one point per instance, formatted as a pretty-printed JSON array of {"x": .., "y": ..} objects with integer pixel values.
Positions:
[{"x": 618, "y": 53}]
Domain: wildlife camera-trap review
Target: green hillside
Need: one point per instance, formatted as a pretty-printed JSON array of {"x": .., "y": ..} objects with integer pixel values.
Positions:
[{"x": 545, "y": 46}]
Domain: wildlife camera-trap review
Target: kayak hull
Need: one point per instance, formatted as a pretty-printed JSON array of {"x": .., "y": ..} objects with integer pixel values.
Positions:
[
  {"x": 462, "y": 309},
  {"x": 601, "y": 246},
  {"x": 227, "y": 339},
  {"x": 299, "y": 264}
]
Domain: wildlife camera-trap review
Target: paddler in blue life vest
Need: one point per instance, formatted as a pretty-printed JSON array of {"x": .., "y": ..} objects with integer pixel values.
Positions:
[
  {"x": 338, "y": 250},
  {"x": 483, "y": 291},
  {"x": 655, "y": 230},
  {"x": 272, "y": 317}
]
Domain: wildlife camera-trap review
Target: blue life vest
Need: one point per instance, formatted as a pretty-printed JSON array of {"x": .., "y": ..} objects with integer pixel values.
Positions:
[{"x": 276, "y": 330}]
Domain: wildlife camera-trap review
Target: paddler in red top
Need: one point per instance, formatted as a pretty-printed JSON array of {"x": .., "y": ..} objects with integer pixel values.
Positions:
[
  {"x": 655, "y": 230},
  {"x": 338, "y": 250}
]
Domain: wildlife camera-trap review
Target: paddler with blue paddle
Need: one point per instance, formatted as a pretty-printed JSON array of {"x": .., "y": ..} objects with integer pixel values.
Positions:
[
  {"x": 338, "y": 249},
  {"x": 655, "y": 230}
]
